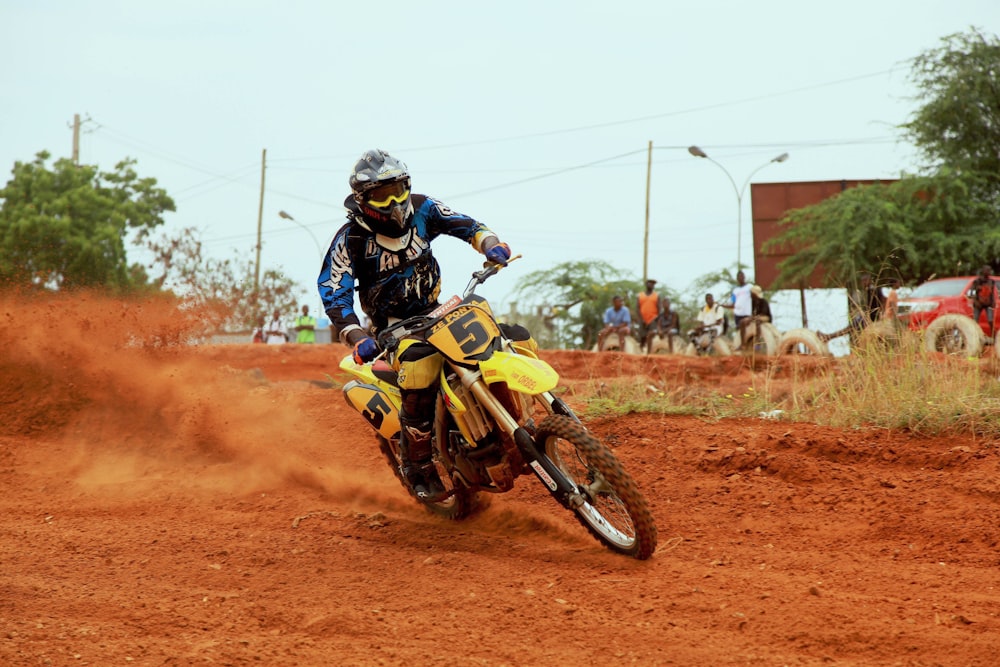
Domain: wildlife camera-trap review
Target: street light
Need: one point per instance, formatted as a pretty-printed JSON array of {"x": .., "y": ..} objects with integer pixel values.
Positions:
[
  {"x": 286, "y": 216},
  {"x": 697, "y": 152}
]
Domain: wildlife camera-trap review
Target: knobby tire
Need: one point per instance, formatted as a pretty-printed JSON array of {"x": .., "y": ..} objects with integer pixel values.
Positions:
[{"x": 617, "y": 514}]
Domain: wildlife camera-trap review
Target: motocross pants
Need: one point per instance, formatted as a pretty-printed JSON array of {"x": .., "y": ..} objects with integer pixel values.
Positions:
[{"x": 418, "y": 367}]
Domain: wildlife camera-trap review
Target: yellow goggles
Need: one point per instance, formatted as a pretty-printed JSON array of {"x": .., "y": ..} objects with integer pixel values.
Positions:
[{"x": 385, "y": 195}]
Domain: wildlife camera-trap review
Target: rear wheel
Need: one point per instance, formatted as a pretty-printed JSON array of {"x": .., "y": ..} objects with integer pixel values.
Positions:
[
  {"x": 954, "y": 334},
  {"x": 458, "y": 505},
  {"x": 614, "y": 511}
]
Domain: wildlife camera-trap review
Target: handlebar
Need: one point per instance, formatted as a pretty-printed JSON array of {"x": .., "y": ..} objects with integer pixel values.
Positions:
[
  {"x": 489, "y": 269},
  {"x": 390, "y": 337}
]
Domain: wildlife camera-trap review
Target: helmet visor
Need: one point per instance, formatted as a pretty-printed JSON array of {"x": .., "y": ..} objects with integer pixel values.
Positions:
[{"x": 383, "y": 196}]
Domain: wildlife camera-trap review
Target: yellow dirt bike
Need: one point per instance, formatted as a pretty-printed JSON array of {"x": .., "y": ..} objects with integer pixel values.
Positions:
[{"x": 496, "y": 419}]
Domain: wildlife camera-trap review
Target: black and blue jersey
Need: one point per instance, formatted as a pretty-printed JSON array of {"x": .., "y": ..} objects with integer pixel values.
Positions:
[{"x": 394, "y": 278}]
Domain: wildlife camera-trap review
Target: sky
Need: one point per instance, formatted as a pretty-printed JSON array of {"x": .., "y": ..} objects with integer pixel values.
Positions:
[{"x": 534, "y": 117}]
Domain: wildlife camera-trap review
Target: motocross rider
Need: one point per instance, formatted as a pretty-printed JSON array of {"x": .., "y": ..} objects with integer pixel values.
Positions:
[{"x": 384, "y": 251}]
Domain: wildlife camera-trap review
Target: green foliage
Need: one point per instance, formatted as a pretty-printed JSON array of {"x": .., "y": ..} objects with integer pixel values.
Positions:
[
  {"x": 65, "y": 226},
  {"x": 223, "y": 288},
  {"x": 564, "y": 306},
  {"x": 943, "y": 222},
  {"x": 958, "y": 124},
  {"x": 912, "y": 228},
  {"x": 570, "y": 300}
]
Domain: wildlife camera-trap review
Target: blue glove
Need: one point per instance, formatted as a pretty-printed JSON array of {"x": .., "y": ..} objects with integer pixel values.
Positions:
[
  {"x": 498, "y": 254},
  {"x": 365, "y": 350}
]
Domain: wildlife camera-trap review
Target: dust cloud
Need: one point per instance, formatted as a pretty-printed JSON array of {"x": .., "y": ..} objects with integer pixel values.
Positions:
[{"x": 114, "y": 381}]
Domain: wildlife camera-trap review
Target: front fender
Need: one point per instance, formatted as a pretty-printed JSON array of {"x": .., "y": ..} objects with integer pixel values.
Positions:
[{"x": 522, "y": 374}]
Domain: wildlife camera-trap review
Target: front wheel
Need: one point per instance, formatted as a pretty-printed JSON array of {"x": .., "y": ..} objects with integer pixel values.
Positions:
[
  {"x": 614, "y": 510},
  {"x": 460, "y": 504}
]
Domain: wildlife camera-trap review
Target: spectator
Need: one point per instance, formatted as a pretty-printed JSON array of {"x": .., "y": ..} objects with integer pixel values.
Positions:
[
  {"x": 711, "y": 315},
  {"x": 891, "y": 310},
  {"x": 982, "y": 297},
  {"x": 759, "y": 308},
  {"x": 649, "y": 306},
  {"x": 867, "y": 303},
  {"x": 305, "y": 326},
  {"x": 739, "y": 299},
  {"x": 667, "y": 324},
  {"x": 274, "y": 332},
  {"x": 617, "y": 319},
  {"x": 760, "y": 311}
]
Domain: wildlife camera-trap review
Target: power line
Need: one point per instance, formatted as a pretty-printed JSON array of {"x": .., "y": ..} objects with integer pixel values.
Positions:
[
  {"x": 546, "y": 175},
  {"x": 229, "y": 178},
  {"x": 640, "y": 119}
]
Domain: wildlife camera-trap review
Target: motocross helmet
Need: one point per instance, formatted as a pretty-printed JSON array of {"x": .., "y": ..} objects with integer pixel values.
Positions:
[{"x": 381, "y": 188}]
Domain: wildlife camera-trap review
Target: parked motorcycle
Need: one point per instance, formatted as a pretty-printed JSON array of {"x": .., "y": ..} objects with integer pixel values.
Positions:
[
  {"x": 706, "y": 340},
  {"x": 496, "y": 419}
]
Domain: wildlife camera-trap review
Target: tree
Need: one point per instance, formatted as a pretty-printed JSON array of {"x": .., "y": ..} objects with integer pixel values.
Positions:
[
  {"x": 569, "y": 301},
  {"x": 958, "y": 124},
  {"x": 66, "y": 226},
  {"x": 223, "y": 289},
  {"x": 944, "y": 220},
  {"x": 912, "y": 228}
]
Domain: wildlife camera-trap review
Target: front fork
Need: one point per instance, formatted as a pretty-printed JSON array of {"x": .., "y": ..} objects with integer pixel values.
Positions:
[{"x": 561, "y": 488}]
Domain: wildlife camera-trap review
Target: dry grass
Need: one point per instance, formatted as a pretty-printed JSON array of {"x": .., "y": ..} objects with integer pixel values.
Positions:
[{"x": 899, "y": 386}]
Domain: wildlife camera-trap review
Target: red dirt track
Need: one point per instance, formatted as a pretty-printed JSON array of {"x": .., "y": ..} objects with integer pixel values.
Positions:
[{"x": 222, "y": 505}]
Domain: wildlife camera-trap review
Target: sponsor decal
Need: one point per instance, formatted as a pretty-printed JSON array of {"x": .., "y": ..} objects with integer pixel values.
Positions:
[
  {"x": 526, "y": 380},
  {"x": 446, "y": 306},
  {"x": 544, "y": 476}
]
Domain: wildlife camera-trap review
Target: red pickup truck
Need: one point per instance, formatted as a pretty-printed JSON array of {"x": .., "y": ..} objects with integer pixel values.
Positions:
[{"x": 941, "y": 297}]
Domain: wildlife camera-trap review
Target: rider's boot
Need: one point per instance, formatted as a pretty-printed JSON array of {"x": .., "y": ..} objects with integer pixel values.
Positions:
[{"x": 415, "y": 452}]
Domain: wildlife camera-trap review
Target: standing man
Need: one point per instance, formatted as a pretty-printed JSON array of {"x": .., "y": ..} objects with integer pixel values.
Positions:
[
  {"x": 891, "y": 310},
  {"x": 274, "y": 332},
  {"x": 982, "y": 297},
  {"x": 648, "y": 305},
  {"x": 866, "y": 305},
  {"x": 305, "y": 325},
  {"x": 739, "y": 300}
]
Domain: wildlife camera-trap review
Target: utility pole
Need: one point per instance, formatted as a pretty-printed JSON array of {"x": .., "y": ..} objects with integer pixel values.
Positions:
[
  {"x": 645, "y": 240},
  {"x": 260, "y": 219},
  {"x": 76, "y": 139}
]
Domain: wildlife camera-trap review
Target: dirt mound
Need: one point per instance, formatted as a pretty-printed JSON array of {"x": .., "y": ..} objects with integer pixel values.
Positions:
[{"x": 175, "y": 504}]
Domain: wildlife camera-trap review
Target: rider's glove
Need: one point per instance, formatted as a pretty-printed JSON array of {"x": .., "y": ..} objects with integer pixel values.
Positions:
[
  {"x": 498, "y": 254},
  {"x": 365, "y": 350}
]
